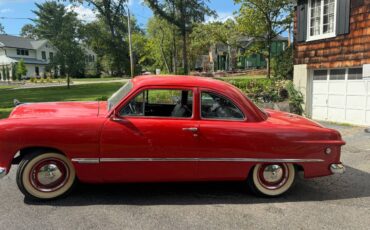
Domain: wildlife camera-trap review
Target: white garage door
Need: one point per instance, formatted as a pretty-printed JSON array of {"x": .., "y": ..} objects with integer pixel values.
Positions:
[{"x": 341, "y": 95}]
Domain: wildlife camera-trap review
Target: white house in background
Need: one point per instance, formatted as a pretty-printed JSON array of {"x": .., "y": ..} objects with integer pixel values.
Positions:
[{"x": 36, "y": 54}]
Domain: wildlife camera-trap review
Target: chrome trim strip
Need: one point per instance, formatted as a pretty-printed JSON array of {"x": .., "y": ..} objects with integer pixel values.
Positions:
[
  {"x": 211, "y": 160},
  {"x": 86, "y": 160},
  {"x": 2, "y": 172},
  {"x": 113, "y": 160}
]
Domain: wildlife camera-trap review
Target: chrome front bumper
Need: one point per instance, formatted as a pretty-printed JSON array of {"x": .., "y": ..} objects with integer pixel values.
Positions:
[
  {"x": 2, "y": 172},
  {"x": 337, "y": 168}
]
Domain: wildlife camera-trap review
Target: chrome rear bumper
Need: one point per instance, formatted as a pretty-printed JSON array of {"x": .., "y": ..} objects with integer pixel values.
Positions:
[
  {"x": 2, "y": 172},
  {"x": 337, "y": 168}
]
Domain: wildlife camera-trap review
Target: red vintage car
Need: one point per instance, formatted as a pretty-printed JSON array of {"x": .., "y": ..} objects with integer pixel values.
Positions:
[{"x": 164, "y": 129}]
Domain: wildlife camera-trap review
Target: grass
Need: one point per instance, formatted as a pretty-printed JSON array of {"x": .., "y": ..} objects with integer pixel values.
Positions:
[
  {"x": 96, "y": 79},
  {"x": 89, "y": 92},
  {"x": 7, "y": 86}
]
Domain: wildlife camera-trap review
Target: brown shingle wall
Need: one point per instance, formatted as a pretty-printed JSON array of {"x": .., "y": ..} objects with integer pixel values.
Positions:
[{"x": 348, "y": 50}]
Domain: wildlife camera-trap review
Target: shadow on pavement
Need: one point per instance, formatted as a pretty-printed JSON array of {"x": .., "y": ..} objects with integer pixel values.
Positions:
[{"x": 353, "y": 184}]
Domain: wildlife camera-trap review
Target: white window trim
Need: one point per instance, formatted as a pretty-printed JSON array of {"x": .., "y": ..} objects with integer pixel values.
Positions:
[{"x": 321, "y": 36}]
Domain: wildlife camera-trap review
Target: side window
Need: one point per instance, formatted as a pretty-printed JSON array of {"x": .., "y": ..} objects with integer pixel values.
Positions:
[
  {"x": 161, "y": 103},
  {"x": 214, "y": 106}
]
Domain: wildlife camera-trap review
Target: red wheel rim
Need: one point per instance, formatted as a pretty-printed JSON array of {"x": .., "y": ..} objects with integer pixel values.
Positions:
[
  {"x": 49, "y": 175},
  {"x": 273, "y": 176}
]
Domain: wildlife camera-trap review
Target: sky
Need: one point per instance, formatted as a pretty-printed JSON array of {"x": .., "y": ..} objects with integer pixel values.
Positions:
[{"x": 13, "y": 12}]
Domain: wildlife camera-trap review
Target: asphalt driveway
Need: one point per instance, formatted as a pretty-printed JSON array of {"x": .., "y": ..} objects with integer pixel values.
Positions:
[{"x": 336, "y": 202}]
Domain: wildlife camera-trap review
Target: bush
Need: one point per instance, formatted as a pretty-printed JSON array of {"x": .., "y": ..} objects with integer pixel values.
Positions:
[
  {"x": 282, "y": 65},
  {"x": 102, "y": 98},
  {"x": 295, "y": 99},
  {"x": 271, "y": 91}
]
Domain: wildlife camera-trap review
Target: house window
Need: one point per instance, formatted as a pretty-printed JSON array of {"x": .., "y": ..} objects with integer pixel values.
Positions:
[
  {"x": 51, "y": 56},
  {"x": 355, "y": 74},
  {"x": 337, "y": 74},
  {"x": 43, "y": 55},
  {"x": 320, "y": 75},
  {"x": 22, "y": 52},
  {"x": 321, "y": 19}
]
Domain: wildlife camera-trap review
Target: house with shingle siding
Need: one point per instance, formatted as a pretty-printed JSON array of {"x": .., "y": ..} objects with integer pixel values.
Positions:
[{"x": 332, "y": 59}]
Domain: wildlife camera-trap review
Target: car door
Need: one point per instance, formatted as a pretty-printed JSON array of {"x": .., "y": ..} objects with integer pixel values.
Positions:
[
  {"x": 152, "y": 138},
  {"x": 225, "y": 138}
]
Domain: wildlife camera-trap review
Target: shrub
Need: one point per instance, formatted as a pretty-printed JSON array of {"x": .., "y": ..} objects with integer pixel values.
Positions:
[
  {"x": 262, "y": 91},
  {"x": 102, "y": 98},
  {"x": 295, "y": 99},
  {"x": 282, "y": 65}
]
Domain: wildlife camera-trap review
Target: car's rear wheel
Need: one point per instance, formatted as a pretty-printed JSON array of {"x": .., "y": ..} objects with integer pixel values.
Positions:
[
  {"x": 271, "y": 179},
  {"x": 45, "y": 176}
]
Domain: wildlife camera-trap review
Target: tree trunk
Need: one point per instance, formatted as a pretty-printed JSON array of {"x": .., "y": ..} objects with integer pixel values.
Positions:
[
  {"x": 185, "y": 64},
  {"x": 162, "y": 52},
  {"x": 185, "y": 53},
  {"x": 174, "y": 52},
  {"x": 269, "y": 64},
  {"x": 269, "y": 41}
]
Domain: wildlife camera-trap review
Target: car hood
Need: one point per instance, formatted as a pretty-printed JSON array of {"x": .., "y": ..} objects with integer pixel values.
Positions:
[
  {"x": 284, "y": 118},
  {"x": 58, "y": 109}
]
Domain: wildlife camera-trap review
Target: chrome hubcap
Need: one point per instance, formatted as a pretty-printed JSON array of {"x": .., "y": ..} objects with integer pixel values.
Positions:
[
  {"x": 48, "y": 174},
  {"x": 273, "y": 173},
  {"x": 273, "y": 176}
]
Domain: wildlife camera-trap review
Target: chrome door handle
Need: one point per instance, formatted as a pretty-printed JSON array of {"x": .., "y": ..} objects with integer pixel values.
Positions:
[{"x": 193, "y": 130}]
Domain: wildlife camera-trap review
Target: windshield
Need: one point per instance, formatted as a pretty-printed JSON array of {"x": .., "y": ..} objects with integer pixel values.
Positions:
[{"x": 119, "y": 95}]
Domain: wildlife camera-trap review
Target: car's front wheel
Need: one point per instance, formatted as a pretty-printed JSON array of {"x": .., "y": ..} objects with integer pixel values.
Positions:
[
  {"x": 272, "y": 179},
  {"x": 45, "y": 176}
]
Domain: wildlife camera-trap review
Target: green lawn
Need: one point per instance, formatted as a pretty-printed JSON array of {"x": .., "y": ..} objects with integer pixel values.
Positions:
[
  {"x": 89, "y": 92},
  {"x": 7, "y": 87},
  {"x": 97, "y": 79}
]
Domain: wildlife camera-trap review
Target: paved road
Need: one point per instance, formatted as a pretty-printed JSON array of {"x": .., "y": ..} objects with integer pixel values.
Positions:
[{"x": 337, "y": 202}]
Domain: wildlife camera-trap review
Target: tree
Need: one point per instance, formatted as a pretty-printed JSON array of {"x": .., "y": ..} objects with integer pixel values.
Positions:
[
  {"x": 182, "y": 14},
  {"x": 7, "y": 72},
  {"x": 28, "y": 31},
  {"x": 264, "y": 20},
  {"x": 62, "y": 29},
  {"x": 13, "y": 71},
  {"x": 160, "y": 47},
  {"x": 207, "y": 35},
  {"x": 2, "y": 31},
  {"x": 21, "y": 69},
  {"x": 113, "y": 23},
  {"x": 3, "y": 73}
]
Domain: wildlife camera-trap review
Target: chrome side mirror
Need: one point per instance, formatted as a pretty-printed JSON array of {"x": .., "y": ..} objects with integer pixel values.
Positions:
[{"x": 115, "y": 117}]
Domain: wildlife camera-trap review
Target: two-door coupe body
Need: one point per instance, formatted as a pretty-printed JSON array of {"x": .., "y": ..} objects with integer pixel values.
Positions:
[{"x": 164, "y": 129}]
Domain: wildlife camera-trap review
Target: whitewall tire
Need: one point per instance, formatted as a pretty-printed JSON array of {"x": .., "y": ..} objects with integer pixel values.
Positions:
[
  {"x": 45, "y": 176},
  {"x": 272, "y": 179}
]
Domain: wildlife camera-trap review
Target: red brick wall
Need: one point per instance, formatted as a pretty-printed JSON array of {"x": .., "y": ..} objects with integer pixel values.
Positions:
[{"x": 348, "y": 50}]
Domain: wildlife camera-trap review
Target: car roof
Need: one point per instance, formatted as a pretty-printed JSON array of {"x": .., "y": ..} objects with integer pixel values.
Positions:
[{"x": 173, "y": 80}]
